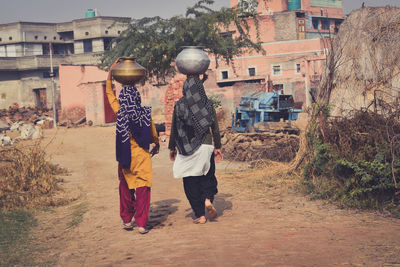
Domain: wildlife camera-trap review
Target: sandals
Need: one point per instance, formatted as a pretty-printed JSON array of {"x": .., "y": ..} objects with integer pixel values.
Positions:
[
  {"x": 142, "y": 230},
  {"x": 127, "y": 226}
]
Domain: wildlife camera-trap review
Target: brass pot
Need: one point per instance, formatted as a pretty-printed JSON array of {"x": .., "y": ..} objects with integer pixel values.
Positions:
[{"x": 128, "y": 72}]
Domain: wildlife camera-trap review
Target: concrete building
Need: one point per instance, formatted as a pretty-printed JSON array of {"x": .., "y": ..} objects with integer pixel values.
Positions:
[{"x": 25, "y": 49}]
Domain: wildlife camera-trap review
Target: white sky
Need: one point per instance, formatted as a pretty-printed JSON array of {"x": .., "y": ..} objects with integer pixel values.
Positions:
[{"x": 67, "y": 10}]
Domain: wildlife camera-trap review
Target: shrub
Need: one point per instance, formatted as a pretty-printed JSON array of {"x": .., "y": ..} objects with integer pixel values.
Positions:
[
  {"x": 27, "y": 179},
  {"x": 355, "y": 161}
]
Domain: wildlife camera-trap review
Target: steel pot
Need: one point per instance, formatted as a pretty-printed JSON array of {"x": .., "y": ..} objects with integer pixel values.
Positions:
[
  {"x": 192, "y": 60},
  {"x": 128, "y": 72}
]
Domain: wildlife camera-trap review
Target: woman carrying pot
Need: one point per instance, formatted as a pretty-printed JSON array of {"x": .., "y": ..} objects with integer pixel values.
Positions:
[
  {"x": 194, "y": 129},
  {"x": 135, "y": 131}
]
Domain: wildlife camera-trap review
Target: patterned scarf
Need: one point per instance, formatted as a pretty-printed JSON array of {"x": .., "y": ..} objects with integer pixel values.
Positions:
[
  {"x": 193, "y": 115},
  {"x": 133, "y": 119}
]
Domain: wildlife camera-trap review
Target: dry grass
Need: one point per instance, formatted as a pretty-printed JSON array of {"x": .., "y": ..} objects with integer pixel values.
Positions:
[
  {"x": 28, "y": 180},
  {"x": 263, "y": 180}
]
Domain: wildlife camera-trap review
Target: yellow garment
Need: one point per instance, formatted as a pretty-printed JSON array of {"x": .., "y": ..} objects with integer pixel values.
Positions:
[{"x": 140, "y": 173}]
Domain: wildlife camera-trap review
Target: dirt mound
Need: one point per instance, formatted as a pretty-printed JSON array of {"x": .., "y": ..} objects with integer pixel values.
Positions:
[{"x": 254, "y": 146}]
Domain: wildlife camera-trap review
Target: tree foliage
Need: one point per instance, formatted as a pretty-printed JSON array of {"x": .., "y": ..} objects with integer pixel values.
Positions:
[{"x": 156, "y": 42}]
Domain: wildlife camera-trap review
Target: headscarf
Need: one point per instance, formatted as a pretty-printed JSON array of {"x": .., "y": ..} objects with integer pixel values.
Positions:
[
  {"x": 133, "y": 119},
  {"x": 193, "y": 115}
]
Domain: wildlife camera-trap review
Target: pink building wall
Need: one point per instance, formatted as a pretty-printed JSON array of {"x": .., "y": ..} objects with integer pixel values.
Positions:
[
  {"x": 81, "y": 94},
  {"x": 72, "y": 90}
]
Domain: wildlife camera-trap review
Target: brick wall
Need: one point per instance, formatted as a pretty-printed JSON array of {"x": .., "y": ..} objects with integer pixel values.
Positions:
[{"x": 172, "y": 94}]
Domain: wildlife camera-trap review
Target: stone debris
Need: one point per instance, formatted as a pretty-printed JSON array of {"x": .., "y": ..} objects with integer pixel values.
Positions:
[
  {"x": 16, "y": 125},
  {"x": 4, "y": 126},
  {"x": 5, "y": 140},
  {"x": 23, "y": 124},
  {"x": 29, "y": 131}
]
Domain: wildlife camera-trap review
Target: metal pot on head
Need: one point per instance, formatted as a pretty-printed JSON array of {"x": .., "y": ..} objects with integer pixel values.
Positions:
[
  {"x": 128, "y": 72},
  {"x": 192, "y": 60}
]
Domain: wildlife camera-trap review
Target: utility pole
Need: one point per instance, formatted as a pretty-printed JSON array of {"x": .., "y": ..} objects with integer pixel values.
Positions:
[{"x": 53, "y": 93}]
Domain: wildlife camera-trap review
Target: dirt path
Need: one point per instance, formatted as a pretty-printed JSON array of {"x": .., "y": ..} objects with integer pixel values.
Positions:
[{"x": 281, "y": 229}]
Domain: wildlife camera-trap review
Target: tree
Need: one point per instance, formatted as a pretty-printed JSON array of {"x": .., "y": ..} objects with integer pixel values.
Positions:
[{"x": 155, "y": 42}]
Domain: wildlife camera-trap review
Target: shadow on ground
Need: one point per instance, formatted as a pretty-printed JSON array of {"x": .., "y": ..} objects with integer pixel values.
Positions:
[
  {"x": 159, "y": 212},
  {"x": 220, "y": 204}
]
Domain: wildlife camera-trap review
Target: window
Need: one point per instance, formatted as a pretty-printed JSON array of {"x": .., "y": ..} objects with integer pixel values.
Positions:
[
  {"x": 1, "y": 40},
  {"x": 119, "y": 32},
  {"x": 315, "y": 23},
  {"x": 106, "y": 32},
  {"x": 54, "y": 38},
  {"x": 107, "y": 43},
  {"x": 276, "y": 70},
  {"x": 46, "y": 49},
  {"x": 86, "y": 33},
  {"x": 45, "y": 37},
  {"x": 251, "y": 71},
  {"x": 10, "y": 38},
  {"x": 224, "y": 74},
  {"x": 325, "y": 24},
  {"x": 36, "y": 37},
  {"x": 297, "y": 69},
  {"x": 87, "y": 46}
]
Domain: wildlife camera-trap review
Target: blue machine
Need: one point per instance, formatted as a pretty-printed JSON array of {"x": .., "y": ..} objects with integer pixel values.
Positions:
[{"x": 263, "y": 107}]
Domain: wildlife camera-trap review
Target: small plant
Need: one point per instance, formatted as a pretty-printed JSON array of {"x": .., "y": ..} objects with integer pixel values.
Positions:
[
  {"x": 216, "y": 101},
  {"x": 27, "y": 178}
]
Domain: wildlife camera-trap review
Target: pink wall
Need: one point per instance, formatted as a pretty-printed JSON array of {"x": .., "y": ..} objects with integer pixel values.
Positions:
[
  {"x": 72, "y": 95},
  {"x": 81, "y": 94},
  {"x": 289, "y": 53},
  {"x": 94, "y": 101}
]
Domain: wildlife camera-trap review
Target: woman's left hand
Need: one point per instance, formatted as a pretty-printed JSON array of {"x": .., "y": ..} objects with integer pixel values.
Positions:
[
  {"x": 116, "y": 63},
  {"x": 155, "y": 150},
  {"x": 218, "y": 155}
]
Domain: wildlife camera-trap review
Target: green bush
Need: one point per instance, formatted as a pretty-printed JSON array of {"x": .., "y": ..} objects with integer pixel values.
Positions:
[{"x": 354, "y": 162}]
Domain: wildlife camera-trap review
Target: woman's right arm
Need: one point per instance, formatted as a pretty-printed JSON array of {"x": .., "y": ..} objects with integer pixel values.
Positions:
[{"x": 112, "y": 99}]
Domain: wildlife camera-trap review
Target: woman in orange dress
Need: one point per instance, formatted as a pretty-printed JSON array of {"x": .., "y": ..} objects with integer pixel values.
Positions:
[{"x": 135, "y": 131}]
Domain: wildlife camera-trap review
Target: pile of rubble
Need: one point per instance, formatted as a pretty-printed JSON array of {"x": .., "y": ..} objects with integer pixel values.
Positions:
[
  {"x": 23, "y": 123},
  {"x": 255, "y": 146}
]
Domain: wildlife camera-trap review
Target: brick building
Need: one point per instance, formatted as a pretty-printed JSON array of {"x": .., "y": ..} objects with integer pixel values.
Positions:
[{"x": 292, "y": 33}]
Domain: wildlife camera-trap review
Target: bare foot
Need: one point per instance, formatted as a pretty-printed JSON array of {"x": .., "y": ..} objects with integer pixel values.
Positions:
[
  {"x": 211, "y": 211},
  {"x": 200, "y": 220}
]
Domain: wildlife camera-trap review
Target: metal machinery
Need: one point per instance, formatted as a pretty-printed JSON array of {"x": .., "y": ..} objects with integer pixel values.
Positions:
[{"x": 263, "y": 107}]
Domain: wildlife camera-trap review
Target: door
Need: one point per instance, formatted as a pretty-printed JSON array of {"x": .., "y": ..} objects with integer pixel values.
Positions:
[{"x": 40, "y": 97}]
